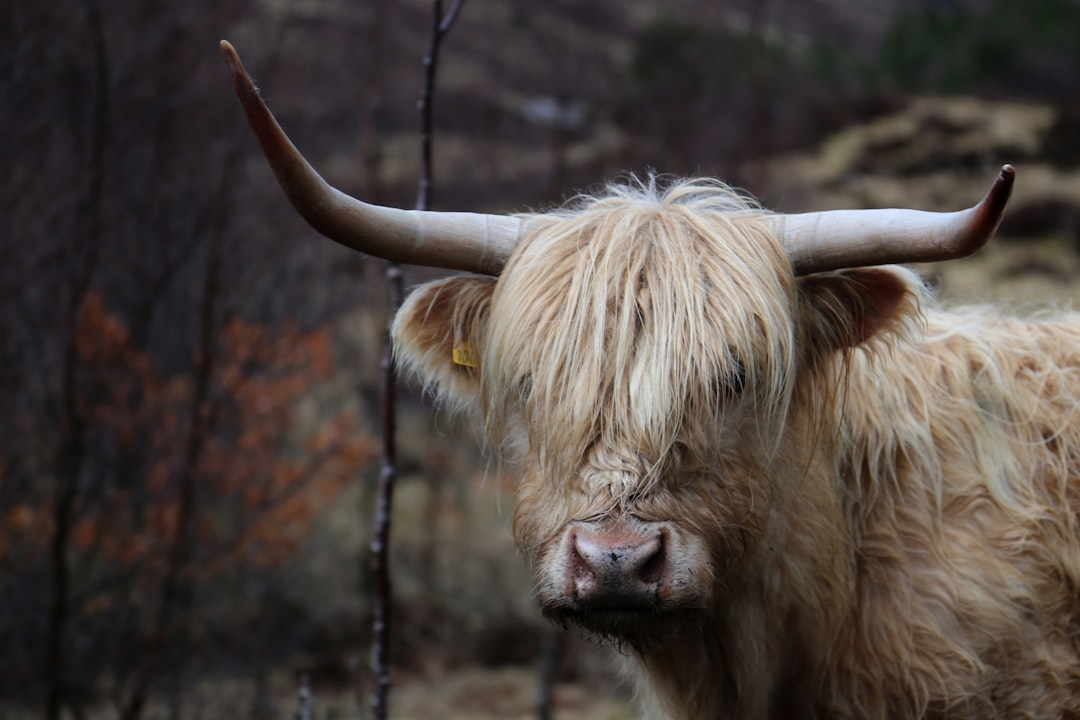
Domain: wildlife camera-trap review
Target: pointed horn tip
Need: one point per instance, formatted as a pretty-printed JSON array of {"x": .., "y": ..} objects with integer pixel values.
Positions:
[
  {"x": 1006, "y": 177},
  {"x": 987, "y": 215},
  {"x": 998, "y": 196},
  {"x": 236, "y": 67},
  {"x": 229, "y": 53}
]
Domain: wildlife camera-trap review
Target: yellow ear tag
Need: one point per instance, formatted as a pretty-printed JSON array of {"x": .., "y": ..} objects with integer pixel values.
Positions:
[{"x": 465, "y": 355}]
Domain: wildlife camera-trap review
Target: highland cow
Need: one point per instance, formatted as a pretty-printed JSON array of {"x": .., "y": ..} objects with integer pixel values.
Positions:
[{"x": 754, "y": 452}]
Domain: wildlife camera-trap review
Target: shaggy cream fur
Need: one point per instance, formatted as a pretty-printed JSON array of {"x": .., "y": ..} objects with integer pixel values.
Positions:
[{"x": 872, "y": 500}]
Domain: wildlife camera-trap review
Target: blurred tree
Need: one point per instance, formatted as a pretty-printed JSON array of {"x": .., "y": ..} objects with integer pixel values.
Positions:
[
  {"x": 998, "y": 48},
  {"x": 709, "y": 96},
  {"x": 152, "y": 449},
  {"x": 228, "y": 482}
]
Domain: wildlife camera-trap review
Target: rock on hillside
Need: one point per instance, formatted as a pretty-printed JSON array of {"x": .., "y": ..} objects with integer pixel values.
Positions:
[{"x": 940, "y": 154}]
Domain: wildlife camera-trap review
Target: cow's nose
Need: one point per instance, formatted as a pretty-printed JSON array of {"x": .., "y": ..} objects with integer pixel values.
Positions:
[{"x": 617, "y": 570}]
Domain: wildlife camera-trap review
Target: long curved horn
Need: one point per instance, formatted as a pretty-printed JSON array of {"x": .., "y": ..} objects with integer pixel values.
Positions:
[
  {"x": 460, "y": 241},
  {"x": 836, "y": 239}
]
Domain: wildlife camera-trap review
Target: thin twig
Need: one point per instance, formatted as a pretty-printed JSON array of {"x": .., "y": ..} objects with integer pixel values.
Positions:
[
  {"x": 442, "y": 25},
  {"x": 71, "y": 453},
  {"x": 304, "y": 700},
  {"x": 551, "y": 643},
  {"x": 380, "y": 542},
  {"x": 380, "y": 550},
  {"x": 203, "y": 417}
]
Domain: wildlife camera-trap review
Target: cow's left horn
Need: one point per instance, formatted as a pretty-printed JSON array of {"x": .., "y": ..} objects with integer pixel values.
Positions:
[
  {"x": 835, "y": 239},
  {"x": 460, "y": 241}
]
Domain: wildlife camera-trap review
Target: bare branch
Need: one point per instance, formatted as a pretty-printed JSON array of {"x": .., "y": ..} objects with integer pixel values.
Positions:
[
  {"x": 304, "y": 699},
  {"x": 451, "y": 17},
  {"x": 380, "y": 543},
  {"x": 442, "y": 25},
  {"x": 71, "y": 452}
]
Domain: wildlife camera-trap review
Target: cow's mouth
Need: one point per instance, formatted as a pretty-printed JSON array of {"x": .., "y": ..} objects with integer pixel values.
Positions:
[{"x": 632, "y": 624}]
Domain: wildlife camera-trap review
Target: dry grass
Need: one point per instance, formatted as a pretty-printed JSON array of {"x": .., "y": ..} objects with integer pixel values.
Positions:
[
  {"x": 509, "y": 693},
  {"x": 467, "y": 694},
  {"x": 1023, "y": 276}
]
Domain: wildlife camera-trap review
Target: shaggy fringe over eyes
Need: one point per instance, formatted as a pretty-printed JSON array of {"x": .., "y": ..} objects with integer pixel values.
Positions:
[{"x": 630, "y": 315}]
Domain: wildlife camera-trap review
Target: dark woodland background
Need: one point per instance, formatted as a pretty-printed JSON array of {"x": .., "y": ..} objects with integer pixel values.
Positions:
[{"x": 189, "y": 376}]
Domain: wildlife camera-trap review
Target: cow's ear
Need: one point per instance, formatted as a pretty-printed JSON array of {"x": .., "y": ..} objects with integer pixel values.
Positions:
[
  {"x": 846, "y": 308},
  {"x": 437, "y": 335}
]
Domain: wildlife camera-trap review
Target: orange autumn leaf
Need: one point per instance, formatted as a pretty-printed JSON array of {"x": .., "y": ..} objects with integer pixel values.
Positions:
[
  {"x": 20, "y": 518},
  {"x": 266, "y": 467}
]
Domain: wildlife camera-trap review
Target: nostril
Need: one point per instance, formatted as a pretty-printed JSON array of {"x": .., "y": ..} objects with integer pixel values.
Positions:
[
  {"x": 581, "y": 559},
  {"x": 653, "y": 562}
]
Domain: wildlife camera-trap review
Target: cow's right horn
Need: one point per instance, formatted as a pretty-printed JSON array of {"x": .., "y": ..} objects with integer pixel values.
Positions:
[{"x": 459, "y": 241}]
